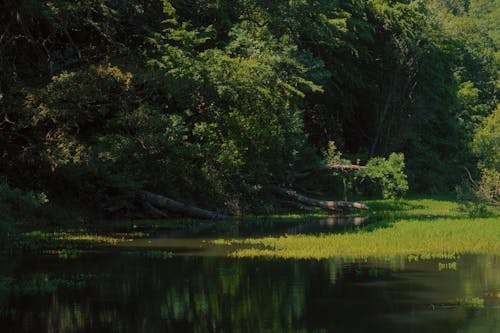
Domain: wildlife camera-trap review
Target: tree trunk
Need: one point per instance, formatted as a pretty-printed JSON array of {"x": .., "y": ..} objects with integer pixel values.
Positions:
[
  {"x": 161, "y": 202},
  {"x": 327, "y": 205}
]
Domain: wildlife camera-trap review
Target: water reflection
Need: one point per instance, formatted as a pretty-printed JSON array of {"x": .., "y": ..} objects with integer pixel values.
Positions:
[
  {"x": 269, "y": 227},
  {"x": 198, "y": 242},
  {"x": 331, "y": 224},
  {"x": 123, "y": 292}
]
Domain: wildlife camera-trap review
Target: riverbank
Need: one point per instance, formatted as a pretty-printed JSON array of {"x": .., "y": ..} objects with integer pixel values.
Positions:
[{"x": 411, "y": 227}]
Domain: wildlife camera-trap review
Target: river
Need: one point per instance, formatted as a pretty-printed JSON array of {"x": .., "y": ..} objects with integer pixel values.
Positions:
[{"x": 201, "y": 289}]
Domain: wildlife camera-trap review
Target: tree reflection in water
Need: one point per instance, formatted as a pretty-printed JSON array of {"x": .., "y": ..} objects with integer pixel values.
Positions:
[{"x": 131, "y": 293}]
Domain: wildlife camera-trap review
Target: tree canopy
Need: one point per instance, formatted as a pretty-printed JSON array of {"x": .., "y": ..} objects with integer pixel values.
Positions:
[{"x": 214, "y": 102}]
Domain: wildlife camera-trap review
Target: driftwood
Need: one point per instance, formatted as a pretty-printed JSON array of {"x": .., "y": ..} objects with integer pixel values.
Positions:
[
  {"x": 158, "y": 202},
  {"x": 327, "y": 205},
  {"x": 345, "y": 168}
]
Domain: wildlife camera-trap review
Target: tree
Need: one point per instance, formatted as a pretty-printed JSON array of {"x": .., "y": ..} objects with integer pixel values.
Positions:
[{"x": 486, "y": 145}]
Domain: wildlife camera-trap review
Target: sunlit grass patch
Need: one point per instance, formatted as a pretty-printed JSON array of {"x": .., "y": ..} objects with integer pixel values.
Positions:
[
  {"x": 421, "y": 227},
  {"x": 75, "y": 236},
  {"x": 56, "y": 241},
  {"x": 415, "y": 208}
]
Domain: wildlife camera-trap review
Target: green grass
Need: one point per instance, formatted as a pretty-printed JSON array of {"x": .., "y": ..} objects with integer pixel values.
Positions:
[
  {"x": 416, "y": 228},
  {"x": 413, "y": 228},
  {"x": 57, "y": 240}
]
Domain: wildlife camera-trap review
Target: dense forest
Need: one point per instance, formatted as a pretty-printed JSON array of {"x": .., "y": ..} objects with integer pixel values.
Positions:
[{"x": 215, "y": 103}]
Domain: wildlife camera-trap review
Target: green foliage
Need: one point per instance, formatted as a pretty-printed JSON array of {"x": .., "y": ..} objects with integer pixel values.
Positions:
[
  {"x": 333, "y": 155},
  {"x": 211, "y": 102},
  {"x": 390, "y": 173},
  {"x": 486, "y": 141},
  {"x": 387, "y": 174},
  {"x": 96, "y": 125},
  {"x": 486, "y": 145},
  {"x": 489, "y": 186},
  {"x": 249, "y": 134}
]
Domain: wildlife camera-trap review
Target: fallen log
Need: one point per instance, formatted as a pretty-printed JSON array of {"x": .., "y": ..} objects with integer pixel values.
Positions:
[
  {"x": 297, "y": 205},
  {"x": 336, "y": 167},
  {"x": 155, "y": 211},
  {"x": 327, "y": 205},
  {"x": 161, "y": 202}
]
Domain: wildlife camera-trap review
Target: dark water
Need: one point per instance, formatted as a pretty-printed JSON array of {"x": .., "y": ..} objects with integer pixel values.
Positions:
[
  {"x": 264, "y": 228},
  {"x": 128, "y": 291}
]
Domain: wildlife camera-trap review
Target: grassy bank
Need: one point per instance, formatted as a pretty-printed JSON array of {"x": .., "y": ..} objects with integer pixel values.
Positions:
[{"x": 418, "y": 227}]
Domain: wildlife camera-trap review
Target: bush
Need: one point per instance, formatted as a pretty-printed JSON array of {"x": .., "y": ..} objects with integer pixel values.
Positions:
[
  {"x": 470, "y": 202},
  {"x": 389, "y": 172},
  {"x": 486, "y": 145}
]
